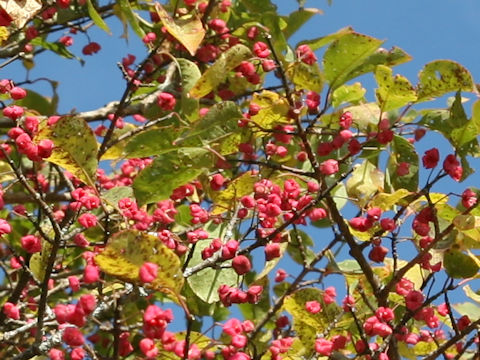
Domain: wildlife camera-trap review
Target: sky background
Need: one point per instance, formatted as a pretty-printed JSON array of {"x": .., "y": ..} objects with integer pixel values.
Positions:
[{"x": 426, "y": 29}]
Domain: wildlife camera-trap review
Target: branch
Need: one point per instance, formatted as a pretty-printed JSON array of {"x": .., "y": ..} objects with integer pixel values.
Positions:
[
  {"x": 441, "y": 349},
  {"x": 22, "y": 198}
]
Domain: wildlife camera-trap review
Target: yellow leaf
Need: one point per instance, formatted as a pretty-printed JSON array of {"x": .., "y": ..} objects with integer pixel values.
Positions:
[
  {"x": 6, "y": 172},
  {"x": 295, "y": 305},
  {"x": 188, "y": 31},
  {"x": 306, "y": 76},
  {"x": 203, "y": 342},
  {"x": 4, "y": 33},
  {"x": 365, "y": 181},
  {"x": 21, "y": 11},
  {"x": 218, "y": 72},
  {"x": 471, "y": 294},
  {"x": 39, "y": 261},
  {"x": 128, "y": 250},
  {"x": 365, "y": 115},
  {"x": 225, "y": 200},
  {"x": 75, "y": 146},
  {"x": 386, "y": 201},
  {"x": 273, "y": 109}
]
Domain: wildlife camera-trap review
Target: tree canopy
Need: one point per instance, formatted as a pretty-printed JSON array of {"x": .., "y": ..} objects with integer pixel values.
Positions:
[{"x": 244, "y": 199}]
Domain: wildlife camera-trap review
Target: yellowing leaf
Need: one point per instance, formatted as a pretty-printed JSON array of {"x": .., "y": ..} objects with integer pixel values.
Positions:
[
  {"x": 393, "y": 92},
  {"x": 21, "y": 11},
  {"x": 305, "y": 76},
  {"x": 459, "y": 265},
  {"x": 442, "y": 76},
  {"x": 75, "y": 146},
  {"x": 273, "y": 109},
  {"x": 365, "y": 115},
  {"x": 466, "y": 222},
  {"x": 225, "y": 200},
  {"x": 202, "y": 341},
  {"x": 39, "y": 261},
  {"x": 128, "y": 250},
  {"x": 218, "y": 72},
  {"x": 188, "y": 31},
  {"x": 6, "y": 172},
  {"x": 348, "y": 93},
  {"x": 365, "y": 181},
  {"x": 295, "y": 305},
  {"x": 471, "y": 294},
  {"x": 4, "y": 33},
  {"x": 385, "y": 201}
]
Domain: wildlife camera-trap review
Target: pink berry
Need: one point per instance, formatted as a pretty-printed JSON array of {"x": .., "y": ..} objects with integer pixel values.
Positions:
[
  {"x": 17, "y": 93},
  {"x": 73, "y": 337},
  {"x": 31, "y": 244},
  {"x": 148, "y": 272}
]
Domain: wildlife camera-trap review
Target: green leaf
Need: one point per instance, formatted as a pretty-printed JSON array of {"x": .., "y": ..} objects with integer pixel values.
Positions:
[
  {"x": 188, "y": 30},
  {"x": 115, "y": 194},
  {"x": 259, "y": 6},
  {"x": 75, "y": 146},
  {"x": 308, "y": 77},
  {"x": 57, "y": 48},
  {"x": 147, "y": 143},
  {"x": 443, "y": 76},
  {"x": 218, "y": 72},
  {"x": 131, "y": 17},
  {"x": 297, "y": 239},
  {"x": 259, "y": 310},
  {"x": 97, "y": 19},
  {"x": 348, "y": 94},
  {"x": 364, "y": 182},
  {"x": 276, "y": 26},
  {"x": 390, "y": 58},
  {"x": 346, "y": 54},
  {"x": 169, "y": 171},
  {"x": 403, "y": 151},
  {"x": 393, "y": 92},
  {"x": 35, "y": 101},
  {"x": 464, "y": 131},
  {"x": 459, "y": 265},
  {"x": 189, "y": 73},
  {"x": 128, "y": 250},
  {"x": 39, "y": 261},
  {"x": 205, "y": 283},
  {"x": 317, "y": 43},
  {"x": 220, "y": 121},
  {"x": 297, "y": 19}
]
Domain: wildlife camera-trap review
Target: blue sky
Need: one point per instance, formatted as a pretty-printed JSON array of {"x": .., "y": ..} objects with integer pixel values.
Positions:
[{"x": 426, "y": 29}]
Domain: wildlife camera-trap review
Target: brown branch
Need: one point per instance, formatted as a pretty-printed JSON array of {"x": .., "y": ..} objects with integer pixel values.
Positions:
[{"x": 23, "y": 198}]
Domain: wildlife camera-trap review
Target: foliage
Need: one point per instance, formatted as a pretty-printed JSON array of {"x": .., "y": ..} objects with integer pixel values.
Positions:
[{"x": 162, "y": 225}]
